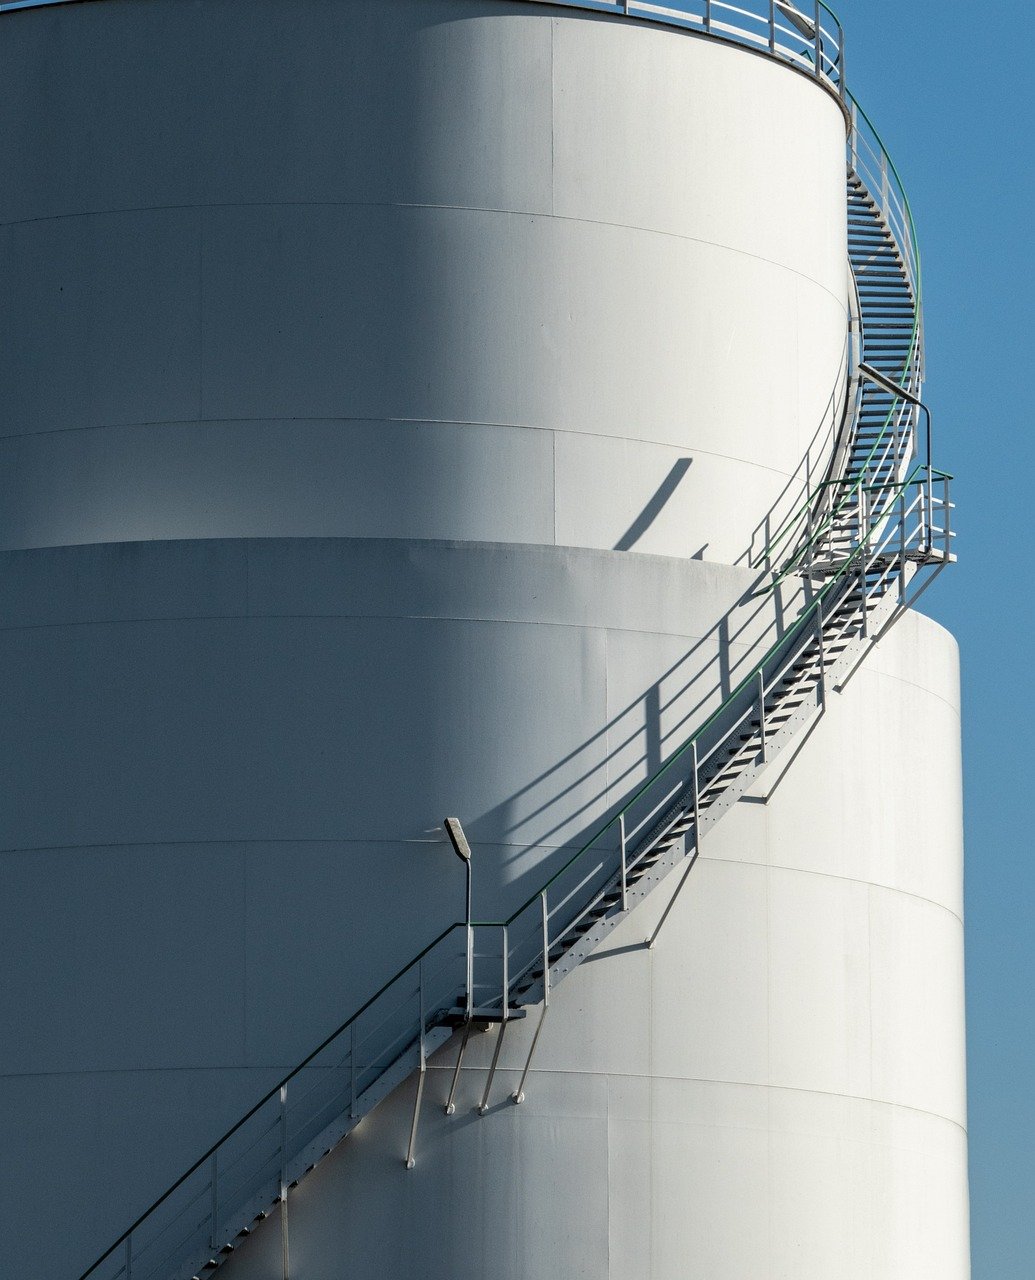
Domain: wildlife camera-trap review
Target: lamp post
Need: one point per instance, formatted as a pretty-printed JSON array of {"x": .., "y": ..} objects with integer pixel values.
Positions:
[{"x": 462, "y": 849}]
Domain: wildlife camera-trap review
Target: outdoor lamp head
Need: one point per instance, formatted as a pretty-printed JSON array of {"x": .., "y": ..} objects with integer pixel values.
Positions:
[{"x": 457, "y": 839}]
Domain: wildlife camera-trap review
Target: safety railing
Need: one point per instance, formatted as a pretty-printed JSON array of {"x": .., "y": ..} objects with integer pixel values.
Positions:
[
  {"x": 250, "y": 1167},
  {"x": 824, "y": 508},
  {"x": 486, "y": 968},
  {"x": 807, "y": 35},
  {"x": 919, "y": 509}
]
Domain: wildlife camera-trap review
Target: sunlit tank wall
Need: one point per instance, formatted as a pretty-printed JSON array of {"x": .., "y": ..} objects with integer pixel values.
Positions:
[
  {"x": 776, "y": 1090},
  {"x": 434, "y": 268}
]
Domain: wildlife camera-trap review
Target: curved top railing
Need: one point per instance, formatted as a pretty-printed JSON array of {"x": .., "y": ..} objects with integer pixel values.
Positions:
[{"x": 807, "y": 34}]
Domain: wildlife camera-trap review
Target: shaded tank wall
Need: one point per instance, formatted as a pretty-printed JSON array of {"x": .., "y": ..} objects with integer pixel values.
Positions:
[
  {"x": 435, "y": 268},
  {"x": 352, "y": 349}
]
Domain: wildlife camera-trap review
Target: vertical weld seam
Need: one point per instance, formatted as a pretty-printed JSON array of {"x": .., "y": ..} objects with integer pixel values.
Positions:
[
  {"x": 553, "y": 105},
  {"x": 201, "y": 315},
  {"x": 650, "y": 1112}
]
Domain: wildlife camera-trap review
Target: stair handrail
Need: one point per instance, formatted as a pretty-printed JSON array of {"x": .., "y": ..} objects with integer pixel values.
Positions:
[
  {"x": 912, "y": 369},
  {"x": 786, "y": 641},
  {"x": 269, "y": 1096},
  {"x": 811, "y": 611}
]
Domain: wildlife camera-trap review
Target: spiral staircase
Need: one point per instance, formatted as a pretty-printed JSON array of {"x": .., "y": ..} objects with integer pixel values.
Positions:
[{"x": 853, "y": 556}]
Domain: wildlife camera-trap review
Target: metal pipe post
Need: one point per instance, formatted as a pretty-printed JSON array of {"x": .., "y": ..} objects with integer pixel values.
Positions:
[
  {"x": 761, "y": 714},
  {"x": 519, "y": 1093},
  {"x": 697, "y": 796},
  {"x": 484, "y": 1104},
  {"x": 621, "y": 844},
  {"x": 285, "y": 1255},
  {"x": 842, "y": 80},
  {"x": 451, "y": 1100},
  {"x": 902, "y": 547},
  {"x": 864, "y": 501},
  {"x": 422, "y": 1070},
  {"x": 505, "y": 1006},
  {"x": 470, "y": 944},
  {"x": 885, "y": 195},
  {"x": 696, "y": 792},
  {"x": 353, "y": 1113},
  {"x": 822, "y": 661},
  {"x": 214, "y": 1205}
]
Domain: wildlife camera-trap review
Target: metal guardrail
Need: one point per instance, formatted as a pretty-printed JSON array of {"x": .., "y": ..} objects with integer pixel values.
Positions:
[
  {"x": 823, "y": 507},
  {"x": 808, "y": 34},
  {"x": 488, "y": 966}
]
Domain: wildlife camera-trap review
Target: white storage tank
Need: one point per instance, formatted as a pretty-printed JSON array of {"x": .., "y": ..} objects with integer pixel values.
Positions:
[{"x": 395, "y": 400}]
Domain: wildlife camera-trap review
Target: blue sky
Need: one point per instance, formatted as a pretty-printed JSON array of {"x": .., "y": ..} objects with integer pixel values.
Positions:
[{"x": 949, "y": 87}]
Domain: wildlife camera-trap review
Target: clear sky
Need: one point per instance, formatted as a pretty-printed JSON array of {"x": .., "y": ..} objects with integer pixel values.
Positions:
[{"x": 949, "y": 86}]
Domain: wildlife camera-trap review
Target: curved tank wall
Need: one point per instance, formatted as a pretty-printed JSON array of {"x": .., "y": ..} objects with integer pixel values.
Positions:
[
  {"x": 352, "y": 348},
  {"x": 437, "y": 268},
  {"x": 221, "y": 841},
  {"x": 775, "y": 1090}
]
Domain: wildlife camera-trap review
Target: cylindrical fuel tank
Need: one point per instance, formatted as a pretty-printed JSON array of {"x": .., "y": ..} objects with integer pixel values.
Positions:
[{"x": 394, "y": 396}]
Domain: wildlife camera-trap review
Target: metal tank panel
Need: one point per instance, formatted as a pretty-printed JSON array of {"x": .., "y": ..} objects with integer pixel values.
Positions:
[
  {"x": 776, "y": 1090},
  {"x": 433, "y": 269},
  {"x": 351, "y": 348}
]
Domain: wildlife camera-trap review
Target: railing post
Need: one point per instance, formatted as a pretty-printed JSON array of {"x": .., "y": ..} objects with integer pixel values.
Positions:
[
  {"x": 902, "y": 547},
  {"x": 842, "y": 81},
  {"x": 352, "y": 1072},
  {"x": 822, "y": 659},
  {"x": 546, "y": 947},
  {"x": 930, "y": 480},
  {"x": 708, "y": 17},
  {"x": 214, "y": 1181},
  {"x": 772, "y": 26},
  {"x": 422, "y": 1069},
  {"x": 855, "y": 136},
  {"x": 947, "y": 518},
  {"x": 621, "y": 844},
  {"x": 519, "y": 1093},
  {"x": 810, "y": 543},
  {"x": 504, "y": 1012},
  {"x": 450, "y": 1107},
  {"x": 864, "y": 547},
  {"x": 284, "y": 1251},
  {"x": 505, "y": 1006},
  {"x": 470, "y": 969},
  {"x": 692, "y": 857},
  {"x": 884, "y": 192},
  {"x": 819, "y": 41},
  {"x": 697, "y": 796},
  {"x": 761, "y": 713}
]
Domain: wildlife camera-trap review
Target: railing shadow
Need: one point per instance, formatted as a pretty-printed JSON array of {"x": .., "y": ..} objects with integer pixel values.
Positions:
[{"x": 556, "y": 809}]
